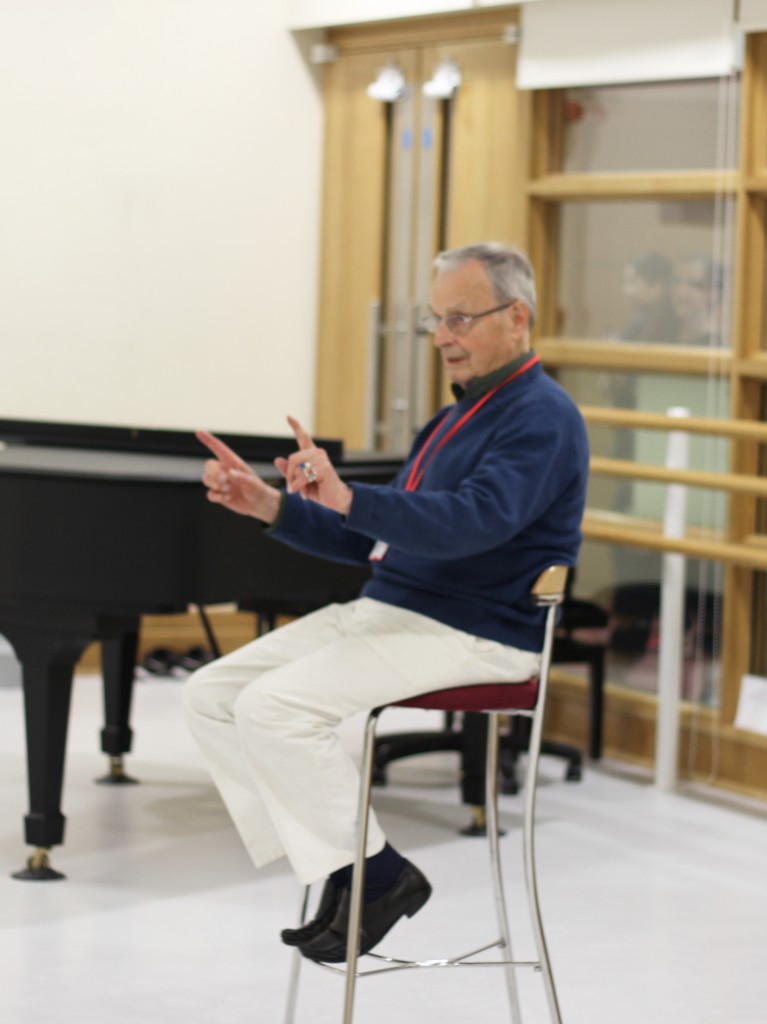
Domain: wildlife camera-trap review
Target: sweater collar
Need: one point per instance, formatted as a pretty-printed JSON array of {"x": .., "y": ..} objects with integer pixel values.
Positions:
[{"x": 479, "y": 386}]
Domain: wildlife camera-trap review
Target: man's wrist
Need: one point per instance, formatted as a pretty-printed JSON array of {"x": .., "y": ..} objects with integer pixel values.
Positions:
[
  {"x": 345, "y": 502},
  {"x": 270, "y": 506}
]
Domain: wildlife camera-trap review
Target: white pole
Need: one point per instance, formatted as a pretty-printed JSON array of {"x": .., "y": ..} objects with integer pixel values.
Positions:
[{"x": 671, "y": 634}]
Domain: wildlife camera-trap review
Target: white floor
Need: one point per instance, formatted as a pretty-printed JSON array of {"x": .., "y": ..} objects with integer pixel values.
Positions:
[{"x": 655, "y": 904}]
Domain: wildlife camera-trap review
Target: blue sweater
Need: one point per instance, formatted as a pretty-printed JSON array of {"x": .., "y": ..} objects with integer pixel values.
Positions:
[{"x": 501, "y": 501}]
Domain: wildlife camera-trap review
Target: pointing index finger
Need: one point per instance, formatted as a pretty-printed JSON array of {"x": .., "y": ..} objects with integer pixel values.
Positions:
[
  {"x": 222, "y": 451},
  {"x": 303, "y": 438}
]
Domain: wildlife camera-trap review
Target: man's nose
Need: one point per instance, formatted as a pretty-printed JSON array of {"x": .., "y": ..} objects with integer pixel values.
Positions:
[{"x": 442, "y": 334}]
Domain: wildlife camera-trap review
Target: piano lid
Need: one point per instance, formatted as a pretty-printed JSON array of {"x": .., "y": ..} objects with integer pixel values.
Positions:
[{"x": 251, "y": 447}]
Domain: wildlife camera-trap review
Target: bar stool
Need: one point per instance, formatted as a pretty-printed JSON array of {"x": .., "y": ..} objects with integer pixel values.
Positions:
[{"x": 526, "y": 699}]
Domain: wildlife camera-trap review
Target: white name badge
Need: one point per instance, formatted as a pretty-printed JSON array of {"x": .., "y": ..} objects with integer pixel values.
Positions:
[{"x": 378, "y": 552}]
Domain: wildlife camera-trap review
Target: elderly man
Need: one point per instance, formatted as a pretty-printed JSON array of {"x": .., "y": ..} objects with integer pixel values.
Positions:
[{"x": 491, "y": 493}]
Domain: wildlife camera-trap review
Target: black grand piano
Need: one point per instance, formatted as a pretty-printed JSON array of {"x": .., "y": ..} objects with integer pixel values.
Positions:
[{"x": 101, "y": 525}]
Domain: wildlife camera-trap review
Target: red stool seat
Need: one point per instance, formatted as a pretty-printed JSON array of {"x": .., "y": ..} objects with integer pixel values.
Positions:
[{"x": 478, "y": 697}]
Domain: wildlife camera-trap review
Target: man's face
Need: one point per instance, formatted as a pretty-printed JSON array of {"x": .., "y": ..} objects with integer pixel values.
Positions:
[{"x": 492, "y": 340}]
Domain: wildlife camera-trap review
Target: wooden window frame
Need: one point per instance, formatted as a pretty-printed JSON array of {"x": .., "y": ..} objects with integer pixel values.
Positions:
[{"x": 710, "y": 742}]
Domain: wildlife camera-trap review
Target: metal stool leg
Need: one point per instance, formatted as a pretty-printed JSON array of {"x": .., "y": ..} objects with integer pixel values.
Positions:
[
  {"x": 491, "y": 799},
  {"x": 358, "y": 874},
  {"x": 295, "y": 967},
  {"x": 531, "y": 882}
]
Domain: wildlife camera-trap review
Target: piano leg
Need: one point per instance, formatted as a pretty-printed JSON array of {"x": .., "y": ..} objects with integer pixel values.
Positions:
[
  {"x": 48, "y": 662},
  {"x": 118, "y": 665}
]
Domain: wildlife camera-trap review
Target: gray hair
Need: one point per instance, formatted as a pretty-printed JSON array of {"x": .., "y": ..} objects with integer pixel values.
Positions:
[{"x": 508, "y": 269}]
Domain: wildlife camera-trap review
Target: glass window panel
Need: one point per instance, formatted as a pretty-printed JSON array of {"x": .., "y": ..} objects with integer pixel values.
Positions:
[
  {"x": 665, "y": 126},
  {"x": 625, "y": 582},
  {"x": 648, "y": 392},
  {"x": 653, "y": 393},
  {"x": 644, "y": 271}
]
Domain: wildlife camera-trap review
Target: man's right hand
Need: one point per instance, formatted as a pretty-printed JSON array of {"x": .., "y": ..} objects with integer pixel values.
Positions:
[{"x": 233, "y": 484}]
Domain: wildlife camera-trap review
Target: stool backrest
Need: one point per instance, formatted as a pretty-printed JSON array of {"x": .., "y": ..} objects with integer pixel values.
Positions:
[
  {"x": 548, "y": 592},
  {"x": 550, "y": 586}
]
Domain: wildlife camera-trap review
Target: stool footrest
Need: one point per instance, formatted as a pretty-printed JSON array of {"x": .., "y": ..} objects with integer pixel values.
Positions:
[{"x": 464, "y": 960}]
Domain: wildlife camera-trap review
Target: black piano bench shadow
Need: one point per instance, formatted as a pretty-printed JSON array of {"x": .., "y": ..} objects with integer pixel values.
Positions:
[{"x": 581, "y": 638}]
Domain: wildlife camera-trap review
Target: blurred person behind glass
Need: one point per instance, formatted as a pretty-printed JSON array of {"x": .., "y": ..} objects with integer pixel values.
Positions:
[
  {"x": 647, "y": 286},
  {"x": 697, "y": 299}
]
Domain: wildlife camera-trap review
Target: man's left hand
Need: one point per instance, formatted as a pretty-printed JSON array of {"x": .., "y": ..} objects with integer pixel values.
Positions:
[{"x": 310, "y": 473}]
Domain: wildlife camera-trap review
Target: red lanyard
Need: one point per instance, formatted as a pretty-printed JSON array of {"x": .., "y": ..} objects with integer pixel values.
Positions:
[{"x": 416, "y": 470}]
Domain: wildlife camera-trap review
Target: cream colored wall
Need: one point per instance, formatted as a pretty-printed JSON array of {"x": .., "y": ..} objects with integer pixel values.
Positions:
[{"x": 160, "y": 213}]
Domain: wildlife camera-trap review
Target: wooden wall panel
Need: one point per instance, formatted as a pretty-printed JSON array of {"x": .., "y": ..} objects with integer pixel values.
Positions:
[
  {"x": 489, "y": 147},
  {"x": 351, "y": 257}
]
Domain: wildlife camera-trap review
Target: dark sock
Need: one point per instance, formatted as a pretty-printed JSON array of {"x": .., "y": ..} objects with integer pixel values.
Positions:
[
  {"x": 381, "y": 872},
  {"x": 342, "y": 878}
]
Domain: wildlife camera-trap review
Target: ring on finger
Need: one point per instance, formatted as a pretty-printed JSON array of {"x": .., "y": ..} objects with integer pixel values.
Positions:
[{"x": 309, "y": 471}]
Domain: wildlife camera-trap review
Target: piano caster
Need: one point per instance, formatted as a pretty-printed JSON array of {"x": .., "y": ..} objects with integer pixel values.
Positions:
[
  {"x": 117, "y": 776},
  {"x": 38, "y": 868}
]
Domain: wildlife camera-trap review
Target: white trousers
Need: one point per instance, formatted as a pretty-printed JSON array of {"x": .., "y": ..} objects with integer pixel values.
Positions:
[{"x": 265, "y": 719}]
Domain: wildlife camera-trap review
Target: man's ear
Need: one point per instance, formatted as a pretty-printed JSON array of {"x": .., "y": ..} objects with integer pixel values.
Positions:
[{"x": 520, "y": 315}]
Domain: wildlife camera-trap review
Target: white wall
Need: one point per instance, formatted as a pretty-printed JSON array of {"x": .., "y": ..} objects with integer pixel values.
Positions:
[{"x": 159, "y": 212}]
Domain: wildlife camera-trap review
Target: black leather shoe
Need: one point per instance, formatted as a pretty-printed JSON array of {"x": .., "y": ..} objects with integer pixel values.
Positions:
[
  {"x": 406, "y": 896},
  {"x": 326, "y": 911}
]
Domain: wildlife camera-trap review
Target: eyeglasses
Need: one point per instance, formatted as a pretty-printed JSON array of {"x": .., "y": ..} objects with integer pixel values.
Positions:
[{"x": 458, "y": 323}]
